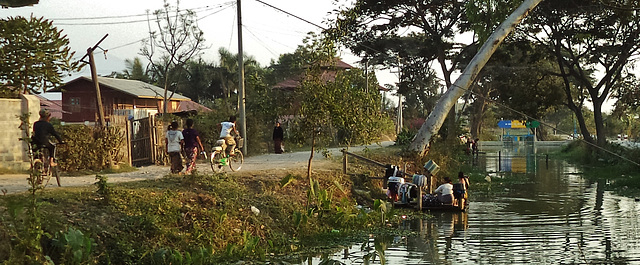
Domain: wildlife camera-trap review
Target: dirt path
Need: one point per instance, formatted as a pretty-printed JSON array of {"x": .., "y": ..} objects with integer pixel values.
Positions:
[{"x": 267, "y": 164}]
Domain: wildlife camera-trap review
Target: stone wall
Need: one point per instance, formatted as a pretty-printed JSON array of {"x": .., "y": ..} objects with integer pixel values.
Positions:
[{"x": 13, "y": 152}]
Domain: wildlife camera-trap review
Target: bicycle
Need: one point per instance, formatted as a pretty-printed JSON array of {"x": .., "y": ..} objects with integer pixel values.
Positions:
[
  {"x": 43, "y": 167},
  {"x": 219, "y": 159}
]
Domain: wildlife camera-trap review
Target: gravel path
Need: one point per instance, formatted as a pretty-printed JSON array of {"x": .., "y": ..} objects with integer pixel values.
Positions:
[{"x": 254, "y": 165}]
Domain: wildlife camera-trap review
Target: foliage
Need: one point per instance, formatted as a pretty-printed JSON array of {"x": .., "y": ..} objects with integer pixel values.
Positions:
[
  {"x": 326, "y": 109},
  {"x": 597, "y": 46},
  {"x": 405, "y": 137},
  {"x": 35, "y": 56},
  {"x": 88, "y": 148},
  {"x": 178, "y": 39}
]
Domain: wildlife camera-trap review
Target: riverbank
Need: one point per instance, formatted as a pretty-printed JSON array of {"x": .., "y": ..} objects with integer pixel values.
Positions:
[{"x": 215, "y": 218}]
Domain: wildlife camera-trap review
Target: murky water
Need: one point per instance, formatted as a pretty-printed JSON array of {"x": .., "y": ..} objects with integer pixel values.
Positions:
[{"x": 551, "y": 216}]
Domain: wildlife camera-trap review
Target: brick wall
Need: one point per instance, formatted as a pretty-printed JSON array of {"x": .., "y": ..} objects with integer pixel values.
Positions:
[{"x": 13, "y": 154}]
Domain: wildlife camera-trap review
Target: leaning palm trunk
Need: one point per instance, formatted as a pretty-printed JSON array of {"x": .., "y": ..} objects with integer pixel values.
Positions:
[{"x": 437, "y": 117}]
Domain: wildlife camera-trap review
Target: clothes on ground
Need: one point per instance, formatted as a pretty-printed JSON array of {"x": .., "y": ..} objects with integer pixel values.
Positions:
[
  {"x": 176, "y": 162},
  {"x": 173, "y": 141}
]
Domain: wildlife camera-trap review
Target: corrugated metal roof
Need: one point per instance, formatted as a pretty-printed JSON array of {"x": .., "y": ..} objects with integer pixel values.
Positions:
[
  {"x": 136, "y": 88},
  {"x": 132, "y": 87}
]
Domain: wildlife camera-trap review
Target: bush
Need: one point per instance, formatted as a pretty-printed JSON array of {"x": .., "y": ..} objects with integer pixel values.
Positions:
[{"x": 88, "y": 148}]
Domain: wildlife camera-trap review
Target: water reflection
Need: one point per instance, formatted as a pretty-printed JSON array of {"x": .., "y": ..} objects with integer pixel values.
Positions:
[{"x": 548, "y": 215}]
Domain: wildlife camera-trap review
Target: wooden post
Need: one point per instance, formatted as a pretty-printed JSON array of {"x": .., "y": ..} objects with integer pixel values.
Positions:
[
  {"x": 94, "y": 76},
  {"x": 344, "y": 161}
]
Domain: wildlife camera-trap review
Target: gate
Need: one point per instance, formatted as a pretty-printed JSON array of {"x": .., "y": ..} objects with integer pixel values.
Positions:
[{"x": 142, "y": 141}]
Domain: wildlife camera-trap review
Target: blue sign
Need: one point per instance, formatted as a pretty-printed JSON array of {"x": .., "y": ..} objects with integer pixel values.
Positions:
[{"x": 504, "y": 124}]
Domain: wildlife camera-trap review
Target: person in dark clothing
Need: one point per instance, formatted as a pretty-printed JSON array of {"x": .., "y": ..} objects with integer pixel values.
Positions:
[
  {"x": 42, "y": 131},
  {"x": 191, "y": 144},
  {"x": 278, "y": 137}
]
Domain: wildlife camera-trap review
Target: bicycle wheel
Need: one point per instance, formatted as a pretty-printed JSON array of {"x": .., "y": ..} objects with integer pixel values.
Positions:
[
  {"x": 54, "y": 173},
  {"x": 236, "y": 160},
  {"x": 38, "y": 170},
  {"x": 46, "y": 175},
  {"x": 216, "y": 166}
]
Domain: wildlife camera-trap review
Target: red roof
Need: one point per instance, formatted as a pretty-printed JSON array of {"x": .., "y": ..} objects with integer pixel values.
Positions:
[
  {"x": 190, "y": 105},
  {"x": 53, "y": 106}
]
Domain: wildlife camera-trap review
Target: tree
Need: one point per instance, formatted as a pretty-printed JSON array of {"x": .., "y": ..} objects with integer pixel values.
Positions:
[
  {"x": 519, "y": 77},
  {"x": 178, "y": 38},
  {"x": 328, "y": 108},
  {"x": 594, "y": 42},
  {"x": 435, "y": 120},
  {"x": 35, "y": 56},
  {"x": 406, "y": 34}
]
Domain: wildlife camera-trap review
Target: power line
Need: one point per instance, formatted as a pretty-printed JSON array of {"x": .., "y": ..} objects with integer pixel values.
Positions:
[
  {"x": 290, "y": 14},
  {"x": 259, "y": 40}
]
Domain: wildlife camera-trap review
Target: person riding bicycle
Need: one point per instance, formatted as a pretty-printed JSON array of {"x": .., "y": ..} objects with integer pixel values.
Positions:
[
  {"x": 225, "y": 133},
  {"x": 42, "y": 131}
]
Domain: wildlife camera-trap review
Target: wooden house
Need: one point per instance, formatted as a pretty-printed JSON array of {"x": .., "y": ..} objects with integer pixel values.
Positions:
[{"x": 119, "y": 97}]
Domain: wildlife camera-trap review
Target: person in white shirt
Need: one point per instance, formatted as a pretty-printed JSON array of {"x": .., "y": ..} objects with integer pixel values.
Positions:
[
  {"x": 445, "y": 192},
  {"x": 174, "y": 141},
  {"x": 225, "y": 133}
]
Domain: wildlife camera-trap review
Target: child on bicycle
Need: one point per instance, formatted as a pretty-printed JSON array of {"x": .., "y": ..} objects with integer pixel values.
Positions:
[
  {"x": 42, "y": 131},
  {"x": 225, "y": 133}
]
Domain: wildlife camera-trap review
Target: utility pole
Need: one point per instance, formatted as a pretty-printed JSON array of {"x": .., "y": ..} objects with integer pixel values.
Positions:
[
  {"x": 94, "y": 77},
  {"x": 241, "y": 96}
]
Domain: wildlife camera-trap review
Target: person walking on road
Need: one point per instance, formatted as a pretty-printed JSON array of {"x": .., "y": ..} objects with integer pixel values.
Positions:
[
  {"x": 174, "y": 142},
  {"x": 278, "y": 137},
  {"x": 191, "y": 144}
]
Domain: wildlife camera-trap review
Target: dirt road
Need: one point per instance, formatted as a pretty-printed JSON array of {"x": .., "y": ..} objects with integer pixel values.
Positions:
[{"x": 253, "y": 165}]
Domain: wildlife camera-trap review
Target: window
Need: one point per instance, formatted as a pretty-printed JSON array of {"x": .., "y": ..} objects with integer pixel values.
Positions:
[{"x": 75, "y": 105}]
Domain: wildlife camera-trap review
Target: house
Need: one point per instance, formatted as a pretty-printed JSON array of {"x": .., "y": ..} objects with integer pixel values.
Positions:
[
  {"x": 121, "y": 97},
  {"x": 54, "y": 106},
  {"x": 329, "y": 73}
]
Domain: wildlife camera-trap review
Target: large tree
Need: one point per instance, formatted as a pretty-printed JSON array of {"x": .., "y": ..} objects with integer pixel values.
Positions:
[
  {"x": 409, "y": 35},
  {"x": 35, "y": 56},
  {"x": 177, "y": 39},
  {"x": 594, "y": 42}
]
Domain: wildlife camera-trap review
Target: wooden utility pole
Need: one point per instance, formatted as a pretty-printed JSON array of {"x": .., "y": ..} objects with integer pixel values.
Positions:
[
  {"x": 241, "y": 95},
  {"x": 94, "y": 77}
]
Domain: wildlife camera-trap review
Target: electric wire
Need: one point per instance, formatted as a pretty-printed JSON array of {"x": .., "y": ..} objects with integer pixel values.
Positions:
[{"x": 264, "y": 45}]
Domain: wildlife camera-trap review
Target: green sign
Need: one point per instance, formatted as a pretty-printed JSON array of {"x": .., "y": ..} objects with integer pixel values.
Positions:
[{"x": 533, "y": 124}]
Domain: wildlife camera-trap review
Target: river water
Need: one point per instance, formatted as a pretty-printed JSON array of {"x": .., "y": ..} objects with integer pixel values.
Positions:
[{"x": 545, "y": 213}]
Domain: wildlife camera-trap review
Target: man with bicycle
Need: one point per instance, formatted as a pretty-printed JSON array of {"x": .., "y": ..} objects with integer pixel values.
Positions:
[
  {"x": 42, "y": 131},
  {"x": 225, "y": 133}
]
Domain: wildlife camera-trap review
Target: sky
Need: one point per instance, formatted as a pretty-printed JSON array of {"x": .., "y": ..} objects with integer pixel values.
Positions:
[{"x": 267, "y": 32}]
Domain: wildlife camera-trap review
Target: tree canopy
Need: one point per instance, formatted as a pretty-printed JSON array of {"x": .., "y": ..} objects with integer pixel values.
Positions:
[{"x": 35, "y": 56}]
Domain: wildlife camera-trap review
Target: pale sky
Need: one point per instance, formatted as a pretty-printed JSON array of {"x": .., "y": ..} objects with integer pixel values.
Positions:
[{"x": 267, "y": 32}]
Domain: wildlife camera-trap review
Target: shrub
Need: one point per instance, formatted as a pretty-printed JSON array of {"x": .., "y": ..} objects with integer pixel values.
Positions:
[{"x": 89, "y": 148}]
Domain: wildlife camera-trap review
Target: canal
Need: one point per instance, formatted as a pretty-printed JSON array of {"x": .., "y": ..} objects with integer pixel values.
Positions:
[{"x": 544, "y": 212}]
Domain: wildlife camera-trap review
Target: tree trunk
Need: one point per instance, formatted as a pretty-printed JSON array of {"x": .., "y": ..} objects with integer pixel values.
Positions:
[
  {"x": 433, "y": 123},
  {"x": 313, "y": 146}
]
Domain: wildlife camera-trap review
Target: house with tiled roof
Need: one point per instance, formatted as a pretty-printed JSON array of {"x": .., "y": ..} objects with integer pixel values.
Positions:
[{"x": 119, "y": 97}]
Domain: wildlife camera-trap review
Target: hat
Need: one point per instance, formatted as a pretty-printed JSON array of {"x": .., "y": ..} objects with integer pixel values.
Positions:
[{"x": 44, "y": 113}]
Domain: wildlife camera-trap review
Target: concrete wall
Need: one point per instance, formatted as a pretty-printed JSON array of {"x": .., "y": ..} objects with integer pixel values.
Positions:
[{"x": 13, "y": 152}]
